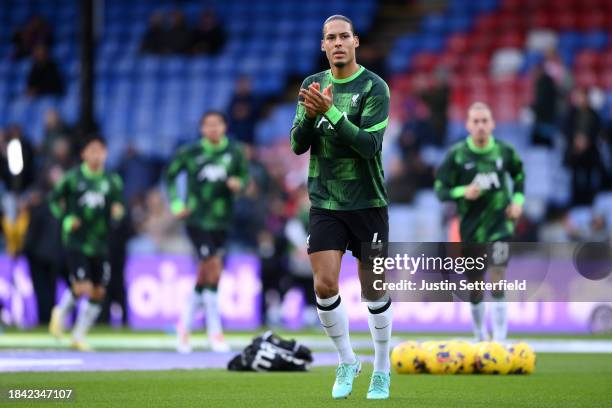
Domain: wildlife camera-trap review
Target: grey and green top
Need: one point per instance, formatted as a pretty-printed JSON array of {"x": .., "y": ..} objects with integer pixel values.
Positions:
[
  {"x": 89, "y": 197},
  {"x": 208, "y": 166},
  {"x": 345, "y": 171},
  {"x": 492, "y": 167}
]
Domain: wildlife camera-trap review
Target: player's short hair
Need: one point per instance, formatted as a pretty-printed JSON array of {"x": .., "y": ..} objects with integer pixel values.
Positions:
[
  {"x": 213, "y": 113},
  {"x": 89, "y": 139},
  {"x": 338, "y": 17},
  {"x": 480, "y": 106}
]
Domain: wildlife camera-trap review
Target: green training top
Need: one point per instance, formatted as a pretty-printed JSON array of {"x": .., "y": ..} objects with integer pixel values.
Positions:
[
  {"x": 89, "y": 197},
  {"x": 492, "y": 167},
  {"x": 208, "y": 168},
  {"x": 345, "y": 171}
]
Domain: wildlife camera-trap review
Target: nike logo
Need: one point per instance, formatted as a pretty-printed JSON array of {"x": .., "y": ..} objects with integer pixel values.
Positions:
[
  {"x": 327, "y": 327},
  {"x": 380, "y": 328},
  {"x": 469, "y": 166}
]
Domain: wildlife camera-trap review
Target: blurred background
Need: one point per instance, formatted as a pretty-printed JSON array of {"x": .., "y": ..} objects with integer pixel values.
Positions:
[{"x": 142, "y": 72}]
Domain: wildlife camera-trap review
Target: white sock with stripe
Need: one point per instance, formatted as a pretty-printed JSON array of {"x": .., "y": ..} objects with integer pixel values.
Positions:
[
  {"x": 380, "y": 316},
  {"x": 334, "y": 320}
]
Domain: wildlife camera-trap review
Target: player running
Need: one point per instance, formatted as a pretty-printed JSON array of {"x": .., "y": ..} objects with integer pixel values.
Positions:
[
  {"x": 341, "y": 118},
  {"x": 475, "y": 175},
  {"x": 216, "y": 170},
  {"x": 86, "y": 200}
]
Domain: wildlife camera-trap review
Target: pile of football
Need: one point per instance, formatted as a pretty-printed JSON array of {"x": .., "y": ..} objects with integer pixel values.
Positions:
[{"x": 461, "y": 357}]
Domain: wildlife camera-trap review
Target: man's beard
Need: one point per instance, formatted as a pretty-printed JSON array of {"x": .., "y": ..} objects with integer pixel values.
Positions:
[{"x": 339, "y": 64}]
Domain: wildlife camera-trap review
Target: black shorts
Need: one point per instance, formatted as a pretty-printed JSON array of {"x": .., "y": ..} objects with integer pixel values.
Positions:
[
  {"x": 498, "y": 254},
  {"x": 81, "y": 267},
  {"x": 207, "y": 243},
  {"x": 342, "y": 230}
]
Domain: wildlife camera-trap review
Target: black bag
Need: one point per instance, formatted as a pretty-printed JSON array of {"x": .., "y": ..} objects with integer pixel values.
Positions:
[{"x": 270, "y": 352}]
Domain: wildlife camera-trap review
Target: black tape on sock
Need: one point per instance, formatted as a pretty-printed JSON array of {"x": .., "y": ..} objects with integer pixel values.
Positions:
[{"x": 330, "y": 307}]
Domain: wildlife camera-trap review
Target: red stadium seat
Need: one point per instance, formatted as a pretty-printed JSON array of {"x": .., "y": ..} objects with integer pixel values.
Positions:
[
  {"x": 591, "y": 20},
  {"x": 608, "y": 18},
  {"x": 424, "y": 61},
  {"x": 487, "y": 23},
  {"x": 605, "y": 80},
  {"x": 586, "y": 79},
  {"x": 476, "y": 64},
  {"x": 482, "y": 44},
  {"x": 564, "y": 6},
  {"x": 542, "y": 19},
  {"x": 510, "y": 21},
  {"x": 510, "y": 40},
  {"x": 565, "y": 21},
  {"x": 515, "y": 5},
  {"x": 589, "y": 60},
  {"x": 606, "y": 59},
  {"x": 449, "y": 60},
  {"x": 458, "y": 43}
]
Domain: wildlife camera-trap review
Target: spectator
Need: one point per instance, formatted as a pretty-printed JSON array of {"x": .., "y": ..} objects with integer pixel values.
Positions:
[
  {"x": 36, "y": 32},
  {"x": 17, "y": 172},
  {"x": 161, "y": 226},
  {"x": 605, "y": 148},
  {"x": 588, "y": 171},
  {"x": 250, "y": 208},
  {"x": 209, "y": 36},
  {"x": 153, "y": 41},
  {"x": 544, "y": 108},
  {"x": 437, "y": 99},
  {"x": 296, "y": 232},
  {"x": 373, "y": 58},
  {"x": 179, "y": 38},
  {"x": 558, "y": 71},
  {"x": 44, "y": 77},
  {"x": 43, "y": 247},
  {"x": 55, "y": 129},
  {"x": 243, "y": 112},
  {"x": 581, "y": 118},
  {"x": 121, "y": 233}
]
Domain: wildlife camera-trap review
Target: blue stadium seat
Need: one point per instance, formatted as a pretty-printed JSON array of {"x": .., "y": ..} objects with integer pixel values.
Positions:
[
  {"x": 434, "y": 24},
  {"x": 532, "y": 59},
  {"x": 432, "y": 43},
  {"x": 570, "y": 40},
  {"x": 596, "y": 40},
  {"x": 459, "y": 22}
]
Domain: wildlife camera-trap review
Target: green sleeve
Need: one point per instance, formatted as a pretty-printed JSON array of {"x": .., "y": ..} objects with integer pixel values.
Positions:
[
  {"x": 515, "y": 169},
  {"x": 57, "y": 197},
  {"x": 177, "y": 164},
  {"x": 117, "y": 191},
  {"x": 446, "y": 185},
  {"x": 241, "y": 167},
  {"x": 302, "y": 131},
  {"x": 367, "y": 138}
]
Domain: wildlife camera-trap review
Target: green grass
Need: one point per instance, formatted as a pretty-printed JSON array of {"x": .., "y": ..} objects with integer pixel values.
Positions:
[
  {"x": 104, "y": 338},
  {"x": 561, "y": 380},
  {"x": 102, "y": 329}
]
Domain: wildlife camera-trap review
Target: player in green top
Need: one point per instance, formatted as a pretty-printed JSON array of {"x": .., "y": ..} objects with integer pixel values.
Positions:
[
  {"x": 341, "y": 118},
  {"x": 216, "y": 170},
  {"x": 87, "y": 199},
  {"x": 476, "y": 174}
]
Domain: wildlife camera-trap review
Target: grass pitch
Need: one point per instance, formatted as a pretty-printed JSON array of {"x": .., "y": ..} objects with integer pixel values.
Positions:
[{"x": 560, "y": 380}]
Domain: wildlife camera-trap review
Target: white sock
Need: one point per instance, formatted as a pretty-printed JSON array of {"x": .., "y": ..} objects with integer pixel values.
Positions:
[
  {"x": 335, "y": 322},
  {"x": 500, "y": 320},
  {"x": 213, "y": 318},
  {"x": 65, "y": 305},
  {"x": 192, "y": 306},
  {"x": 478, "y": 321},
  {"x": 380, "y": 318},
  {"x": 86, "y": 318}
]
